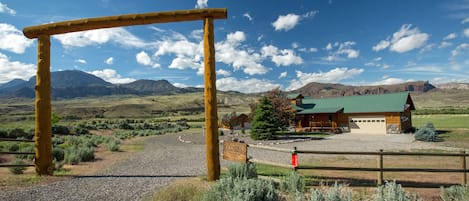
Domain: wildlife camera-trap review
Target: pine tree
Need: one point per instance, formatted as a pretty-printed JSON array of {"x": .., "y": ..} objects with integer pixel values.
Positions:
[{"x": 265, "y": 122}]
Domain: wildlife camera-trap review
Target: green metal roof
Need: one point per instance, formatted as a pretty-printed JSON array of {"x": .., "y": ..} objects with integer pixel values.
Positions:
[
  {"x": 293, "y": 96},
  {"x": 394, "y": 102},
  {"x": 318, "y": 110}
]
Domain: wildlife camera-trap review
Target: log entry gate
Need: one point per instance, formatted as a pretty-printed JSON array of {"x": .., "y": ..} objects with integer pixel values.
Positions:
[{"x": 43, "y": 129}]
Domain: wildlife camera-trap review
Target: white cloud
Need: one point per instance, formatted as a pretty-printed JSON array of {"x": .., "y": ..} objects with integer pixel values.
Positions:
[
  {"x": 197, "y": 34},
  {"x": 333, "y": 76},
  {"x": 110, "y": 75},
  {"x": 388, "y": 81},
  {"x": 313, "y": 49},
  {"x": 283, "y": 75},
  {"x": 246, "y": 15},
  {"x": 223, "y": 72},
  {"x": 466, "y": 32},
  {"x": 109, "y": 61},
  {"x": 344, "y": 48},
  {"x": 180, "y": 85},
  {"x": 201, "y": 4},
  {"x": 10, "y": 70},
  {"x": 383, "y": 44},
  {"x": 377, "y": 59},
  {"x": 455, "y": 59},
  {"x": 4, "y": 9},
  {"x": 466, "y": 20},
  {"x": 285, "y": 57},
  {"x": 144, "y": 59},
  {"x": 295, "y": 45},
  {"x": 445, "y": 44},
  {"x": 286, "y": 22},
  {"x": 230, "y": 51},
  {"x": 101, "y": 36},
  {"x": 404, "y": 40},
  {"x": 81, "y": 61},
  {"x": 260, "y": 37},
  {"x": 450, "y": 36},
  {"x": 310, "y": 14},
  {"x": 12, "y": 39},
  {"x": 246, "y": 86}
]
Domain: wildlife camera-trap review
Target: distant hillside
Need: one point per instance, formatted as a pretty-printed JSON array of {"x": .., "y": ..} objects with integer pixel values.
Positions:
[
  {"x": 73, "y": 83},
  {"x": 315, "y": 89},
  {"x": 454, "y": 85}
]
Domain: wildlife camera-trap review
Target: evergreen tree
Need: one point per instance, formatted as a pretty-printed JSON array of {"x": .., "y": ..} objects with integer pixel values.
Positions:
[{"x": 265, "y": 122}]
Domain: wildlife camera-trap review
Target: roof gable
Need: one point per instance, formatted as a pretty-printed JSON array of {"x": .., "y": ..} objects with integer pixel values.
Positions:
[{"x": 394, "y": 102}]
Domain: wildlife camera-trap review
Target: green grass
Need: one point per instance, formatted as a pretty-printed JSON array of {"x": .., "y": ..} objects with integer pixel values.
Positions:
[
  {"x": 272, "y": 171},
  {"x": 442, "y": 121}
]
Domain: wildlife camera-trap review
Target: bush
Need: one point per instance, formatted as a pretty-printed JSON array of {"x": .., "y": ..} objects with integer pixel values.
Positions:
[
  {"x": 17, "y": 170},
  {"x": 180, "y": 192},
  {"x": 426, "y": 133},
  {"x": 236, "y": 189},
  {"x": 392, "y": 191},
  {"x": 71, "y": 156},
  {"x": 86, "y": 154},
  {"x": 338, "y": 192},
  {"x": 294, "y": 184},
  {"x": 58, "y": 153},
  {"x": 58, "y": 129},
  {"x": 220, "y": 133},
  {"x": 242, "y": 171},
  {"x": 112, "y": 145},
  {"x": 29, "y": 148},
  {"x": 455, "y": 193},
  {"x": 14, "y": 147}
]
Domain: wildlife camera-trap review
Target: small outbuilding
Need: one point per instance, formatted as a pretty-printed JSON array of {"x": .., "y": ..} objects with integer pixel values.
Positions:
[{"x": 373, "y": 114}]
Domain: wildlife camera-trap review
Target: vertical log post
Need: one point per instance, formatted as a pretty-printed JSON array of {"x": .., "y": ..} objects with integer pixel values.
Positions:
[
  {"x": 210, "y": 93},
  {"x": 380, "y": 167},
  {"x": 463, "y": 167},
  {"x": 43, "y": 130}
]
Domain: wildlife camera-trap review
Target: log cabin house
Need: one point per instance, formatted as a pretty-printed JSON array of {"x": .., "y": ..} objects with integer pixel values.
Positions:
[{"x": 371, "y": 114}]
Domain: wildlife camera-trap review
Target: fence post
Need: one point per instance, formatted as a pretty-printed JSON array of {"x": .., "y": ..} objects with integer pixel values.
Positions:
[
  {"x": 463, "y": 167},
  {"x": 294, "y": 159},
  {"x": 380, "y": 167}
]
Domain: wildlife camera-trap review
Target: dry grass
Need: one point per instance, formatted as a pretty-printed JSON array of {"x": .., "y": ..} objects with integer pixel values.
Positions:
[{"x": 182, "y": 190}]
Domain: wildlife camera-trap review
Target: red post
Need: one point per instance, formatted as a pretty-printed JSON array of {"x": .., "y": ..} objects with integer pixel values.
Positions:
[{"x": 294, "y": 159}]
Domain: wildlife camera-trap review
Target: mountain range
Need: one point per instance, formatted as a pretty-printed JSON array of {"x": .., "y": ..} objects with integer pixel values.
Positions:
[{"x": 74, "y": 83}]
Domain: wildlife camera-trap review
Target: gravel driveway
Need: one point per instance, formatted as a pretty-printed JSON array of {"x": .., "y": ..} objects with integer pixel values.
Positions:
[
  {"x": 166, "y": 158},
  {"x": 163, "y": 160}
]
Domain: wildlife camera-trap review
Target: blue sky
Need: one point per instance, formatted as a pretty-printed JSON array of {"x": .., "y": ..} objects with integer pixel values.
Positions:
[{"x": 262, "y": 44}]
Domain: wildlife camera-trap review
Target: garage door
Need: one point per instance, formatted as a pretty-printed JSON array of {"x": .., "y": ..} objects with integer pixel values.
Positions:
[{"x": 370, "y": 124}]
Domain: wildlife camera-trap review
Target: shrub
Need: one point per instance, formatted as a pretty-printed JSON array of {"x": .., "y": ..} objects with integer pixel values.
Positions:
[
  {"x": 338, "y": 192},
  {"x": 455, "y": 193},
  {"x": 242, "y": 171},
  {"x": 17, "y": 170},
  {"x": 179, "y": 192},
  {"x": 29, "y": 148},
  {"x": 59, "y": 129},
  {"x": 294, "y": 184},
  {"x": 220, "y": 133},
  {"x": 86, "y": 154},
  {"x": 112, "y": 145},
  {"x": 14, "y": 147},
  {"x": 58, "y": 153},
  {"x": 392, "y": 191},
  {"x": 236, "y": 189},
  {"x": 71, "y": 156},
  {"x": 426, "y": 133}
]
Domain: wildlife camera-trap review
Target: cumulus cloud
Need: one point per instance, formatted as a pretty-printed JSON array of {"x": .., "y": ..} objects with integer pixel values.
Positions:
[
  {"x": 201, "y": 4},
  {"x": 109, "y": 61},
  {"x": 456, "y": 57},
  {"x": 12, "y": 39},
  {"x": 466, "y": 32},
  {"x": 144, "y": 59},
  {"x": 246, "y": 15},
  {"x": 333, "y": 76},
  {"x": 101, "y": 36},
  {"x": 285, "y": 57},
  {"x": 450, "y": 36},
  {"x": 4, "y": 9},
  {"x": 286, "y": 22},
  {"x": 404, "y": 40},
  {"x": 246, "y": 86},
  {"x": 110, "y": 75},
  {"x": 444, "y": 44},
  {"x": 289, "y": 21},
  {"x": 10, "y": 70},
  {"x": 223, "y": 72},
  {"x": 464, "y": 21},
  {"x": 388, "y": 81},
  {"x": 337, "y": 50},
  {"x": 283, "y": 75},
  {"x": 81, "y": 61}
]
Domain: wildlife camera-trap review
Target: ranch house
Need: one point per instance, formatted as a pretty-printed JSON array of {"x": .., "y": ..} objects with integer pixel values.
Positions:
[{"x": 372, "y": 114}]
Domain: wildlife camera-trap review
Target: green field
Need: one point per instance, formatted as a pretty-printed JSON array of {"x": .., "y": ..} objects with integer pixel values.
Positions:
[{"x": 442, "y": 121}]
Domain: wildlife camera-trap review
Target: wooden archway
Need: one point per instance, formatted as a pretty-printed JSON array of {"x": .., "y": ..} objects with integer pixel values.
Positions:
[{"x": 43, "y": 132}]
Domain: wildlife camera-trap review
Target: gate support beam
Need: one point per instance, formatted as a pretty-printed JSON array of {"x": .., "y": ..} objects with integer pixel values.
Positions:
[
  {"x": 43, "y": 130},
  {"x": 210, "y": 100}
]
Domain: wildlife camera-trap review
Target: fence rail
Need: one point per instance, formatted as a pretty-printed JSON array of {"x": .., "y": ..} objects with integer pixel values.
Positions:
[
  {"x": 16, "y": 152},
  {"x": 380, "y": 169}
]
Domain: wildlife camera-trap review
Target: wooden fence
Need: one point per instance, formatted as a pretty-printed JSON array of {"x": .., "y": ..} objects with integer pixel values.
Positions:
[
  {"x": 380, "y": 169},
  {"x": 16, "y": 152}
]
